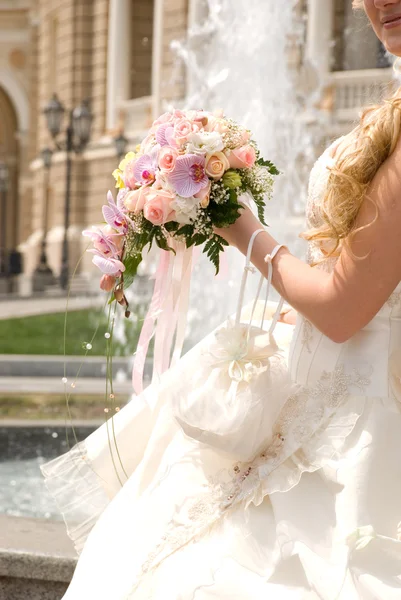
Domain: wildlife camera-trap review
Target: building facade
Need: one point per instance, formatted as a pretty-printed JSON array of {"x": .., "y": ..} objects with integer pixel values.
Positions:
[{"x": 119, "y": 55}]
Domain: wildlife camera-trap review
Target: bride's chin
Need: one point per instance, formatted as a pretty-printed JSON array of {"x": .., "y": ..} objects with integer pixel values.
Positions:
[{"x": 393, "y": 46}]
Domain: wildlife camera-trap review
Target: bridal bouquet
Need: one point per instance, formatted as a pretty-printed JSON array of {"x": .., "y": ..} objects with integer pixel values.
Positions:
[{"x": 184, "y": 179}]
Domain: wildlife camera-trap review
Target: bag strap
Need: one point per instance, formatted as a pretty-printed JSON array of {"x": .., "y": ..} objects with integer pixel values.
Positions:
[{"x": 249, "y": 268}]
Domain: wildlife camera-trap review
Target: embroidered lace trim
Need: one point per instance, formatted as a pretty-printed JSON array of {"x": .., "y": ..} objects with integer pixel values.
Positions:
[{"x": 302, "y": 416}]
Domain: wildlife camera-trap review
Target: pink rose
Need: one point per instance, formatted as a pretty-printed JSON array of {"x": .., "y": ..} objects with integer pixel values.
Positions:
[
  {"x": 216, "y": 164},
  {"x": 135, "y": 201},
  {"x": 182, "y": 129},
  {"x": 157, "y": 208},
  {"x": 107, "y": 282},
  {"x": 164, "y": 118},
  {"x": 242, "y": 158},
  {"x": 167, "y": 158},
  {"x": 218, "y": 125},
  {"x": 204, "y": 195}
]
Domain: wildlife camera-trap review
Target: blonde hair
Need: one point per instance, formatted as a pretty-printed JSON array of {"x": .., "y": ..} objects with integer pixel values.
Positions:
[{"x": 370, "y": 144}]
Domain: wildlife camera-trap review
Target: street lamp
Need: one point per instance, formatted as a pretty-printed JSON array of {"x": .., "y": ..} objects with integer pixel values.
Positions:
[
  {"x": 77, "y": 137},
  {"x": 43, "y": 275},
  {"x": 120, "y": 143},
  {"x": 3, "y": 218}
]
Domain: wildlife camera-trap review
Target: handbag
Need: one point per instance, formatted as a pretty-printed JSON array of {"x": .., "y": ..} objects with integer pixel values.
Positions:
[{"x": 232, "y": 390}]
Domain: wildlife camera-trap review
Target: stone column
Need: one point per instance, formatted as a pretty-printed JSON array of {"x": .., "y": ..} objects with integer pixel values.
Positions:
[
  {"x": 118, "y": 59},
  {"x": 319, "y": 35}
]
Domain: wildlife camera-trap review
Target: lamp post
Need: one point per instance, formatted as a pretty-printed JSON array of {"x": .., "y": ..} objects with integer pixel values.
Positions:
[
  {"x": 120, "y": 143},
  {"x": 43, "y": 275},
  {"x": 3, "y": 218},
  {"x": 77, "y": 137}
]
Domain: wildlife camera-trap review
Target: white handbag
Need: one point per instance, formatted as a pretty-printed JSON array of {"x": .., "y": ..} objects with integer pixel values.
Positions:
[{"x": 230, "y": 394}]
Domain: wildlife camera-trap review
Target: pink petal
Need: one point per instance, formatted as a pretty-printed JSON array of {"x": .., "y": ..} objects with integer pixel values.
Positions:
[
  {"x": 108, "y": 266},
  {"x": 161, "y": 134}
]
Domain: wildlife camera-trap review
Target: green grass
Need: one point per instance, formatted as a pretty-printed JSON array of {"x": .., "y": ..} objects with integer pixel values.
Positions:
[
  {"x": 44, "y": 334},
  {"x": 53, "y": 406}
]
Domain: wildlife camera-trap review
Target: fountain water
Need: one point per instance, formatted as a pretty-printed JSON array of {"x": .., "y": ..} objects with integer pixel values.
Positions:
[{"x": 238, "y": 57}]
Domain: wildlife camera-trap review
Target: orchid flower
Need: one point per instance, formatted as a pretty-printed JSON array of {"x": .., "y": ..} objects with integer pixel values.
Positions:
[
  {"x": 102, "y": 242},
  {"x": 146, "y": 166},
  {"x": 114, "y": 216},
  {"x": 108, "y": 266},
  {"x": 164, "y": 135},
  {"x": 189, "y": 175}
]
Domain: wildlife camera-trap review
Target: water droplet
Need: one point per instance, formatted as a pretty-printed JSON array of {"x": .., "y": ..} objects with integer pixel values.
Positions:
[
  {"x": 64, "y": 380},
  {"x": 54, "y": 434},
  {"x": 107, "y": 336},
  {"x": 88, "y": 346}
]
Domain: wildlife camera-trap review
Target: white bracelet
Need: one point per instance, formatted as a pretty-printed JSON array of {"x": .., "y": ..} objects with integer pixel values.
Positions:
[{"x": 269, "y": 257}]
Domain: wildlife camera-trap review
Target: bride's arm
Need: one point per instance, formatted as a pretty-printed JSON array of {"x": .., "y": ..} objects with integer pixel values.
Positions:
[{"x": 342, "y": 302}]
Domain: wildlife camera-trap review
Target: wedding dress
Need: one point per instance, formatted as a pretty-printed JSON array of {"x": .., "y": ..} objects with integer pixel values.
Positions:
[{"x": 238, "y": 478}]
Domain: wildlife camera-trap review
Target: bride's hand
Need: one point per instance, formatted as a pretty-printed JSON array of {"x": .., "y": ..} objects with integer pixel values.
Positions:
[{"x": 239, "y": 233}]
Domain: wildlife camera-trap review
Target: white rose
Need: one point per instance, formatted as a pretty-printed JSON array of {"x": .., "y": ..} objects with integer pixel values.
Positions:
[
  {"x": 205, "y": 142},
  {"x": 185, "y": 209}
]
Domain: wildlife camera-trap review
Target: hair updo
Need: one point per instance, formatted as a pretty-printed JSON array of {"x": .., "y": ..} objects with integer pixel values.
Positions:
[{"x": 369, "y": 145}]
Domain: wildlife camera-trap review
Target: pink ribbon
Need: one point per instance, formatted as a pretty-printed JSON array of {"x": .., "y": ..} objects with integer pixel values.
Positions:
[
  {"x": 161, "y": 279},
  {"x": 168, "y": 310}
]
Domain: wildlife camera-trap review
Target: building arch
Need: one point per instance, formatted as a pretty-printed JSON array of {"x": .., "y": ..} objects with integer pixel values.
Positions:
[
  {"x": 9, "y": 153},
  {"x": 18, "y": 96}
]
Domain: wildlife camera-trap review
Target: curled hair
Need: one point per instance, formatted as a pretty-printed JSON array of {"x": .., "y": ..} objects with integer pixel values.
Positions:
[{"x": 370, "y": 144}]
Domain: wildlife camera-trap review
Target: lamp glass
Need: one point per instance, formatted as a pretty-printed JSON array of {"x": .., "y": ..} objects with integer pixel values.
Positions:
[
  {"x": 82, "y": 122},
  {"x": 121, "y": 143},
  {"x": 54, "y": 112}
]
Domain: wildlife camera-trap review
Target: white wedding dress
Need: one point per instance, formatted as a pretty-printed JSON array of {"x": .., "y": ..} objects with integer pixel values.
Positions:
[{"x": 289, "y": 490}]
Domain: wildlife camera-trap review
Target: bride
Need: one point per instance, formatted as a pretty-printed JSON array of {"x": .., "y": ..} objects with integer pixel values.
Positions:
[{"x": 201, "y": 510}]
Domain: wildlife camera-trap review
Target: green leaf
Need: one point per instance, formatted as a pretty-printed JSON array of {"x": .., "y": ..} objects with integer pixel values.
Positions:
[
  {"x": 131, "y": 264},
  {"x": 162, "y": 243},
  {"x": 212, "y": 249},
  {"x": 187, "y": 230},
  {"x": 260, "y": 204},
  {"x": 225, "y": 214},
  {"x": 271, "y": 167},
  {"x": 171, "y": 226}
]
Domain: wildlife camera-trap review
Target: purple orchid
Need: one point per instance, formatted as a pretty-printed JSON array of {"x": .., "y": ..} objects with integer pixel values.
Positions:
[
  {"x": 120, "y": 199},
  {"x": 164, "y": 133},
  {"x": 146, "y": 166},
  {"x": 108, "y": 266},
  {"x": 103, "y": 243},
  {"x": 114, "y": 216},
  {"x": 189, "y": 176}
]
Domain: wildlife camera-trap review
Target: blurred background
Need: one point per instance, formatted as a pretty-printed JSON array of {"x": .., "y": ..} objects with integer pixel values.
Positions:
[{"x": 80, "y": 83}]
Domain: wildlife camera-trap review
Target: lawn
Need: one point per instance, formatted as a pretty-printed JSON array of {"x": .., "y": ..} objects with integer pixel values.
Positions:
[
  {"x": 44, "y": 334},
  {"x": 53, "y": 406}
]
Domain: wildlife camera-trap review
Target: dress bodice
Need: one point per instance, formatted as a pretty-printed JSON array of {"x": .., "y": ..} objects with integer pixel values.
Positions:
[{"x": 374, "y": 353}]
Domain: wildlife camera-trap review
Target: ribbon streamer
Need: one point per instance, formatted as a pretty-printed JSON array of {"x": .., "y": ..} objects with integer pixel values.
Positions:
[{"x": 167, "y": 314}]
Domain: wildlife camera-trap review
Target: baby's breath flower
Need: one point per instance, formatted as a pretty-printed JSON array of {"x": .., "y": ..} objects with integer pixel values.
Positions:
[{"x": 219, "y": 193}]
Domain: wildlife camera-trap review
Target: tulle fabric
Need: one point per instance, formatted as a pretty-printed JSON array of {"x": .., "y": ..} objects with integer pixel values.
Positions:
[{"x": 178, "y": 498}]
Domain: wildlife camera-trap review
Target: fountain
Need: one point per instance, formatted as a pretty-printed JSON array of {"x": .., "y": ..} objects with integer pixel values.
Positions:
[{"x": 238, "y": 57}]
